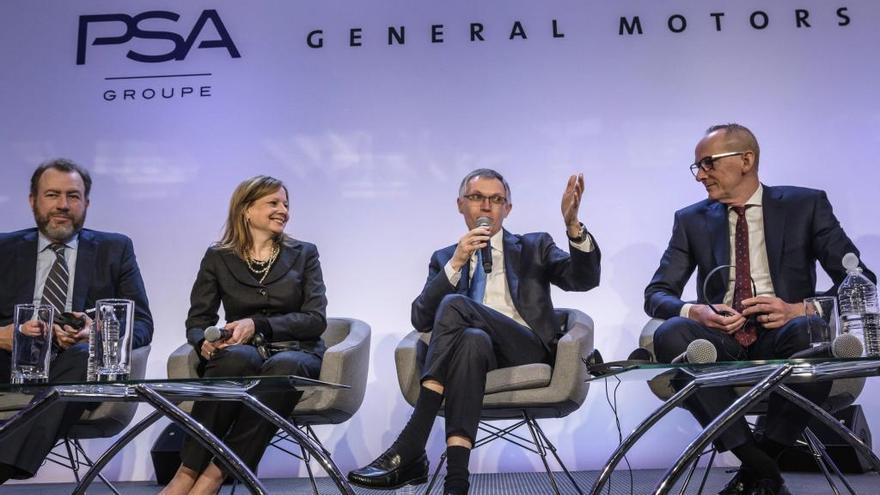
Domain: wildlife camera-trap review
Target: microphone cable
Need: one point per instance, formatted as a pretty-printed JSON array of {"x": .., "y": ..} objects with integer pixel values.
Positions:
[{"x": 612, "y": 403}]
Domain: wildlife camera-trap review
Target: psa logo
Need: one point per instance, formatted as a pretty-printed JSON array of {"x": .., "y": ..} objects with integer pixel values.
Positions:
[{"x": 181, "y": 46}]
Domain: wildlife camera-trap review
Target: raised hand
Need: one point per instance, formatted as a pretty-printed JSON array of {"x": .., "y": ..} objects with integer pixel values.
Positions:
[{"x": 571, "y": 202}]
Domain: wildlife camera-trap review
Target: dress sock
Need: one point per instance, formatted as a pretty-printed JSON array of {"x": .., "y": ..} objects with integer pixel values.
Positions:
[
  {"x": 457, "y": 459},
  {"x": 410, "y": 444}
]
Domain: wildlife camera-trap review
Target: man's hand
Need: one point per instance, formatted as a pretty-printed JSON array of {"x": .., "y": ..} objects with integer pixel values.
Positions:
[
  {"x": 6, "y": 337},
  {"x": 242, "y": 332},
  {"x": 704, "y": 315},
  {"x": 571, "y": 202},
  {"x": 772, "y": 312},
  {"x": 68, "y": 336},
  {"x": 467, "y": 245}
]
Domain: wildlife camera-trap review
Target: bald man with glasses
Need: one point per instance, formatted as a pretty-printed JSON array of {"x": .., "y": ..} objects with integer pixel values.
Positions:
[{"x": 773, "y": 236}]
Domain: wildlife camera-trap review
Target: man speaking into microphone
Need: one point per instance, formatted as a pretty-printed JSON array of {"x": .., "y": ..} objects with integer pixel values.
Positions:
[
  {"x": 773, "y": 236},
  {"x": 487, "y": 304}
]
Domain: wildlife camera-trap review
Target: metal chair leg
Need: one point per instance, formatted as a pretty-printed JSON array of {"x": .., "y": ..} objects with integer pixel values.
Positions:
[
  {"x": 552, "y": 449},
  {"x": 689, "y": 475},
  {"x": 706, "y": 473},
  {"x": 541, "y": 452},
  {"x": 824, "y": 461},
  {"x": 306, "y": 458},
  {"x": 440, "y": 464}
]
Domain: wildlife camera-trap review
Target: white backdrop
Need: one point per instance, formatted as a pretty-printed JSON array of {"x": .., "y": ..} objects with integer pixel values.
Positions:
[{"x": 372, "y": 141}]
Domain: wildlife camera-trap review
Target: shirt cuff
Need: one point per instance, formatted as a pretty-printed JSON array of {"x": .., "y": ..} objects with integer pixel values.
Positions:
[
  {"x": 685, "y": 310},
  {"x": 585, "y": 246},
  {"x": 452, "y": 275}
]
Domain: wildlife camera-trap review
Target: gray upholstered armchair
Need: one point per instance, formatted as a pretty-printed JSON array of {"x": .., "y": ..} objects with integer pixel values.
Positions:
[
  {"x": 524, "y": 393},
  {"x": 346, "y": 361}
]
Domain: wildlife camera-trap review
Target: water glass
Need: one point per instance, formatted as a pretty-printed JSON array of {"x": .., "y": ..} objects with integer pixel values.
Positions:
[
  {"x": 822, "y": 319},
  {"x": 111, "y": 339},
  {"x": 31, "y": 343}
]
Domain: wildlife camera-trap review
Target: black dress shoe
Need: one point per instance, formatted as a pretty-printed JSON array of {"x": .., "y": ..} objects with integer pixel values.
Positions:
[
  {"x": 742, "y": 483},
  {"x": 389, "y": 472},
  {"x": 770, "y": 487},
  {"x": 453, "y": 491}
]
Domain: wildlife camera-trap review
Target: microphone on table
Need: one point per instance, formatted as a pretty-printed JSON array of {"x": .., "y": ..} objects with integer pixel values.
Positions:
[
  {"x": 699, "y": 351},
  {"x": 845, "y": 345},
  {"x": 486, "y": 252},
  {"x": 214, "y": 333}
]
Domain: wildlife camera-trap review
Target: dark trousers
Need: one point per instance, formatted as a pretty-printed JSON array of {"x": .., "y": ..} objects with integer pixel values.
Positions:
[
  {"x": 27, "y": 446},
  {"x": 237, "y": 425},
  {"x": 467, "y": 341},
  {"x": 785, "y": 421}
]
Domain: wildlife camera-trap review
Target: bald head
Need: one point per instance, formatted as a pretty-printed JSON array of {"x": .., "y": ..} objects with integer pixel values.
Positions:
[{"x": 737, "y": 137}]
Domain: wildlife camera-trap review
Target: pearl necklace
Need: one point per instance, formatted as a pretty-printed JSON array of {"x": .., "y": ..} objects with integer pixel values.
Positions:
[{"x": 261, "y": 268}]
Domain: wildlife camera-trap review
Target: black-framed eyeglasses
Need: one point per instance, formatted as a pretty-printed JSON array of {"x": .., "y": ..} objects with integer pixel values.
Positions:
[
  {"x": 707, "y": 163},
  {"x": 479, "y": 198}
]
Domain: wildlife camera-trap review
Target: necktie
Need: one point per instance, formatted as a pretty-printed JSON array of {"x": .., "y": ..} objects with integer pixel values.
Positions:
[
  {"x": 55, "y": 288},
  {"x": 742, "y": 288},
  {"x": 478, "y": 282}
]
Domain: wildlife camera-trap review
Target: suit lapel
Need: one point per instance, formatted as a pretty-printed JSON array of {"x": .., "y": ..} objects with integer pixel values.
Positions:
[
  {"x": 512, "y": 255},
  {"x": 286, "y": 258},
  {"x": 238, "y": 268},
  {"x": 26, "y": 267},
  {"x": 86, "y": 252},
  {"x": 774, "y": 233},
  {"x": 718, "y": 227}
]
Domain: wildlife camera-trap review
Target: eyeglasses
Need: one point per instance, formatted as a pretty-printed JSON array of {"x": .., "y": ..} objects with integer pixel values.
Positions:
[
  {"x": 479, "y": 198},
  {"x": 707, "y": 163}
]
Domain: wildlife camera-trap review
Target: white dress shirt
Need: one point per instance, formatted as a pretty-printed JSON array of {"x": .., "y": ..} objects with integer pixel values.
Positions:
[
  {"x": 758, "y": 262},
  {"x": 497, "y": 295}
]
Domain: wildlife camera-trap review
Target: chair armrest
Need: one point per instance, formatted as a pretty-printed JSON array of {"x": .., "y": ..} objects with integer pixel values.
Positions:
[
  {"x": 183, "y": 362},
  {"x": 406, "y": 359}
]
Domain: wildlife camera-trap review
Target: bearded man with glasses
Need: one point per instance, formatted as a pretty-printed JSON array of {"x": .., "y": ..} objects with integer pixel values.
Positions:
[
  {"x": 482, "y": 318},
  {"x": 773, "y": 236}
]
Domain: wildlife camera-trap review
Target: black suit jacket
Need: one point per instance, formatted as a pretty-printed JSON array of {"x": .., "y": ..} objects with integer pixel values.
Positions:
[
  {"x": 289, "y": 305},
  {"x": 531, "y": 262},
  {"x": 799, "y": 229},
  {"x": 106, "y": 268}
]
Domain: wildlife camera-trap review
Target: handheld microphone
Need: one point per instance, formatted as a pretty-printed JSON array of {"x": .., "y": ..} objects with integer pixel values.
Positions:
[
  {"x": 699, "y": 351},
  {"x": 214, "y": 333},
  {"x": 845, "y": 345},
  {"x": 486, "y": 252}
]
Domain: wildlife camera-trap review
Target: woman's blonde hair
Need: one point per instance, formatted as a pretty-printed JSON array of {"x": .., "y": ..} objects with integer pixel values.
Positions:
[{"x": 236, "y": 234}]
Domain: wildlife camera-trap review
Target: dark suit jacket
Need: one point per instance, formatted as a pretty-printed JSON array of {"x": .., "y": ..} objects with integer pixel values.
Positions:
[
  {"x": 288, "y": 306},
  {"x": 105, "y": 268},
  {"x": 799, "y": 228},
  {"x": 531, "y": 262}
]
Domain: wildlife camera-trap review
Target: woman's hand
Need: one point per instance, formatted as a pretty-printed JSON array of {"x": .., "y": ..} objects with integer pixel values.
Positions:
[
  {"x": 208, "y": 349},
  {"x": 242, "y": 332}
]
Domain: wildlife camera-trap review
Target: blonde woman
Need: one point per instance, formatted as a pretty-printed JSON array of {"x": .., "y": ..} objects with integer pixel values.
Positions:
[{"x": 271, "y": 287}]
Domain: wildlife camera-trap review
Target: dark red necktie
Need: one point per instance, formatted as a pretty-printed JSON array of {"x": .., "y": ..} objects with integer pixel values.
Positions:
[{"x": 742, "y": 289}]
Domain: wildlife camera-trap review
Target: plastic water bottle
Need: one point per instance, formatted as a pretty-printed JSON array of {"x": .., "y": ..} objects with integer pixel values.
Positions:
[
  {"x": 856, "y": 296},
  {"x": 92, "y": 365},
  {"x": 109, "y": 337}
]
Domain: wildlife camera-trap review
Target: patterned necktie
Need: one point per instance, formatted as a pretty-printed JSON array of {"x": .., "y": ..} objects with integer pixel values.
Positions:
[
  {"x": 742, "y": 289},
  {"x": 478, "y": 282},
  {"x": 55, "y": 288}
]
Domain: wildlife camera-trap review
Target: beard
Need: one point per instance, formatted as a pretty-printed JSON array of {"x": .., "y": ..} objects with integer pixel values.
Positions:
[{"x": 58, "y": 233}]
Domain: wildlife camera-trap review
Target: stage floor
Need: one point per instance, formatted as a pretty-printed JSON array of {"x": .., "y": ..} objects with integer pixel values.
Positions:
[{"x": 493, "y": 484}]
